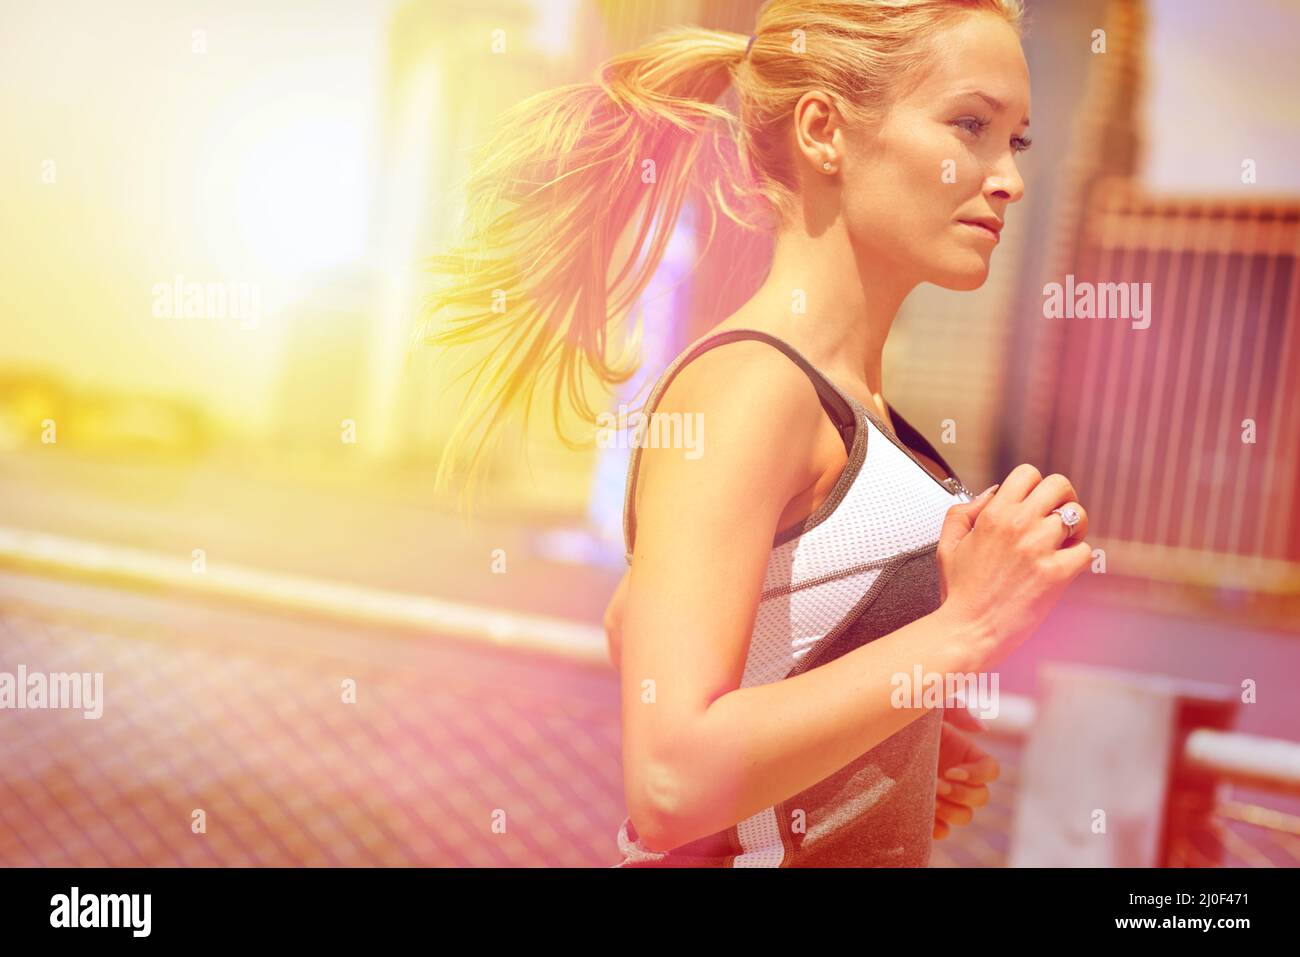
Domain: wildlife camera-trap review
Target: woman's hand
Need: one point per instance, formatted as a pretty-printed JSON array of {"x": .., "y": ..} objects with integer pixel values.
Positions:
[
  {"x": 1005, "y": 558},
  {"x": 964, "y": 770},
  {"x": 614, "y": 620}
]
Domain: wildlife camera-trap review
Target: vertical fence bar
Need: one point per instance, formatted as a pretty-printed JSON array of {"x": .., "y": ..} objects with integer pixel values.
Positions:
[{"x": 1193, "y": 792}]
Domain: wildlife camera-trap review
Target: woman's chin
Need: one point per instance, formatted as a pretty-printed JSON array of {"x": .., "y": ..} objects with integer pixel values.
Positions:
[{"x": 965, "y": 276}]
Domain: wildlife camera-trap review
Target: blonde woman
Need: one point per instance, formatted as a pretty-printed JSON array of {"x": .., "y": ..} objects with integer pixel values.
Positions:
[{"x": 787, "y": 584}]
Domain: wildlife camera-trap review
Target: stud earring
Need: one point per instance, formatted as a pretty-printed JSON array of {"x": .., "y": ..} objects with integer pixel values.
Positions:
[{"x": 827, "y": 166}]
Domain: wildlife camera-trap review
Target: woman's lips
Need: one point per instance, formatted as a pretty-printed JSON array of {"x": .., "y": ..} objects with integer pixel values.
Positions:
[{"x": 981, "y": 229}]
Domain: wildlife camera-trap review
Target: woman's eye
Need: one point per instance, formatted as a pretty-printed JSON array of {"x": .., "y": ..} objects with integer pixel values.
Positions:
[
  {"x": 972, "y": 124},
  {"x": 1020, "y": 143}
]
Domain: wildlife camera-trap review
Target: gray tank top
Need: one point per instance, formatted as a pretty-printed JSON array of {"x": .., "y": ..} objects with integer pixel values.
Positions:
[{"x": 861, "y": 566}]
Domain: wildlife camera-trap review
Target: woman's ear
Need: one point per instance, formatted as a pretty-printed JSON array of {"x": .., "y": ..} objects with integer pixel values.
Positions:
[{"x": 818, "y": 136}]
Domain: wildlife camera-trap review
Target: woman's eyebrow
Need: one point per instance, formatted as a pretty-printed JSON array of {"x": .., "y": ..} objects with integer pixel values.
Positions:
[{"x": 991, "y": 100}]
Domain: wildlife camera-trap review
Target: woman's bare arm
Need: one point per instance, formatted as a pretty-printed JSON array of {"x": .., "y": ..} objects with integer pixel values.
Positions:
[
  {"x": 756, "y": 746},
  {"x": 699, "y": 752},
  {"x": 614, "y": 619}
]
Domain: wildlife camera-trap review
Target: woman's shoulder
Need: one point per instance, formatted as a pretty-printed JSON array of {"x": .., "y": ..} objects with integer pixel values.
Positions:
[
  {"x": 752, "y": 411},
  {"x": 736, "y": 350},
  {"x": 739, "y": 421},
  {"x": 744, "y": 381}
]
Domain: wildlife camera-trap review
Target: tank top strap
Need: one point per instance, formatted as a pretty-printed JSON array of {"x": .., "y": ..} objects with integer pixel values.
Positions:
[
  {"x": 910, "y": 436},
  {"x": 838, "y": 405}
]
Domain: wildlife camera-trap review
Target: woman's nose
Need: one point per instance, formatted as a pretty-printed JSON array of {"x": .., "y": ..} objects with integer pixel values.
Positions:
[{"x": 1006, "y": 182}]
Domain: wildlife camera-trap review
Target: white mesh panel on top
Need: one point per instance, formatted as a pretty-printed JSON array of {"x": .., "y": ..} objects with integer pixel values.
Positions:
[
  {"x": 892, "y": 506},
  {"x": 760, "y": 841},
  {"x": 788, "y": 625},
  {"x": 633, "y": 851}
]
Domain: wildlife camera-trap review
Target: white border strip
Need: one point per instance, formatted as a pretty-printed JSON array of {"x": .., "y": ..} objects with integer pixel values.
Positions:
[{"x": 75, "y": 558}]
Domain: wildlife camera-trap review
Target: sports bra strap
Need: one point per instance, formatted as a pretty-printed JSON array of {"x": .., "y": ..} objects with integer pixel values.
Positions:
[{"x": 837, "y": 405}]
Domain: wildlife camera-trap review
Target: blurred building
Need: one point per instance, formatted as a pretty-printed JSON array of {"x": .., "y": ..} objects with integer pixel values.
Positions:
[{"x": 1181, "y": 435}]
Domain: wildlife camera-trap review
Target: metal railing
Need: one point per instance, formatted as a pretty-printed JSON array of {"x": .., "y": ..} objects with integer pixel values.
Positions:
[{"x": 1217, "y": 811}]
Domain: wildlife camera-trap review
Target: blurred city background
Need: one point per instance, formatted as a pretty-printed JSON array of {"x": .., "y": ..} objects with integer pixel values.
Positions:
[{"x": 229, "y": 509}]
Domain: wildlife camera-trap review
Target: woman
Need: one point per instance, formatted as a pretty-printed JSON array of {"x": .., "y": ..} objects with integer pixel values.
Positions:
[{"x": 785, "y": 584}]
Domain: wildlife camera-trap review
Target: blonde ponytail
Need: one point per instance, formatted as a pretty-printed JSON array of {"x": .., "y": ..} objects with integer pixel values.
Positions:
[{"x": 551, "y": 195}]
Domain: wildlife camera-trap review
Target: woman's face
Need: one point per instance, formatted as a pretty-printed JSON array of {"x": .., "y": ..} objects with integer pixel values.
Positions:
[{"x": 942, "y": 159}]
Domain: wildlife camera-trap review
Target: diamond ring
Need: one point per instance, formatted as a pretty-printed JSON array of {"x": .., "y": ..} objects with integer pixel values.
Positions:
[{"x": 1070, "y": 516}]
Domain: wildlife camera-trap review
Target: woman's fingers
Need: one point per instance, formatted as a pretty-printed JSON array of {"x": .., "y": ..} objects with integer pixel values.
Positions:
[
  {"x": 954, "y": 805},
  {"x": 985, "y": 768},
  {"x": 1017, "y": 486},
  {"x": 971, "y": 795},
  {"x": 949, "y": 813},
  {"x": 1053, "y": 492}
]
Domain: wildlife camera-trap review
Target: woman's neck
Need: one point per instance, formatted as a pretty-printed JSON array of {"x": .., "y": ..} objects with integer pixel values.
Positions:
[{"x": 831, "y": 305}]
